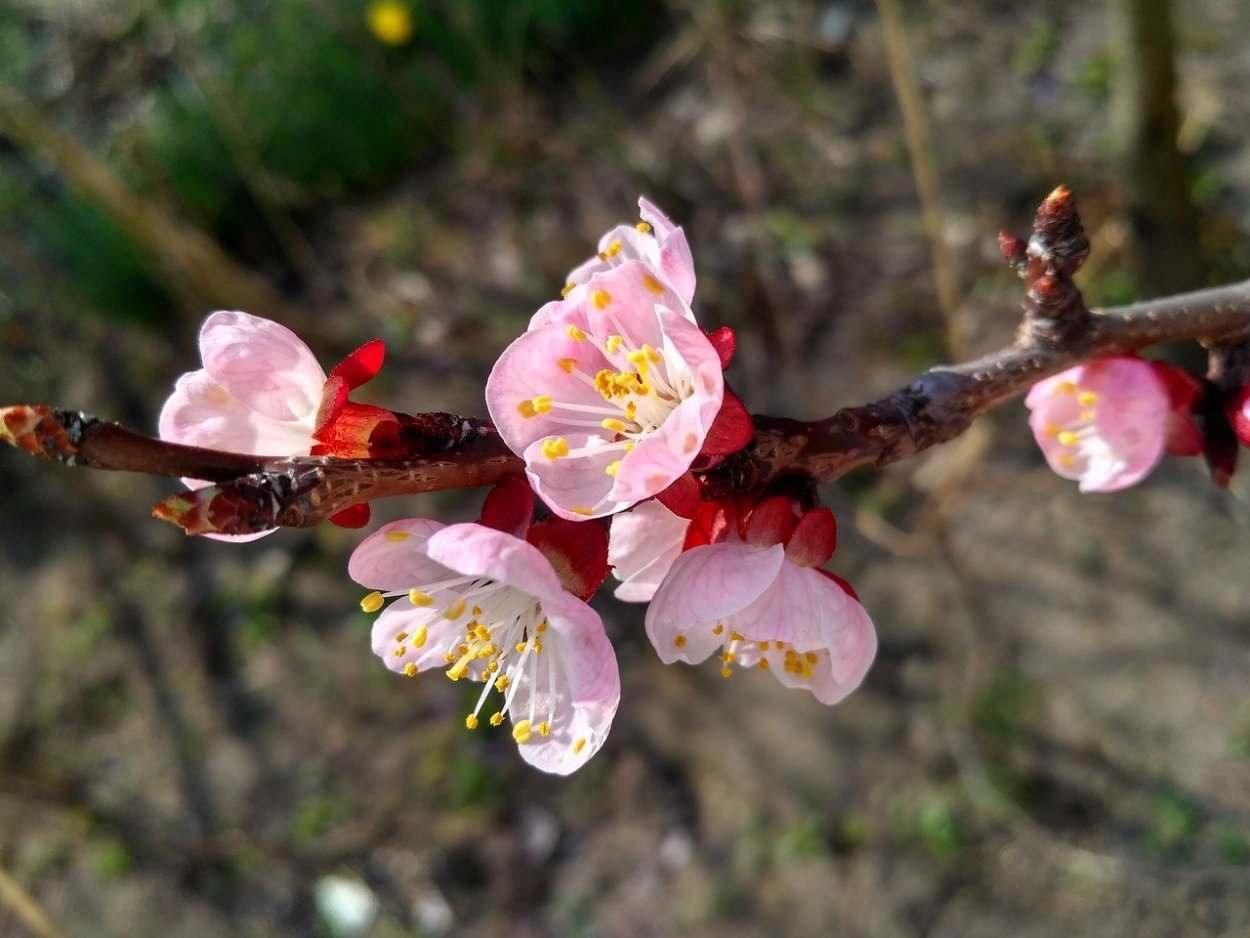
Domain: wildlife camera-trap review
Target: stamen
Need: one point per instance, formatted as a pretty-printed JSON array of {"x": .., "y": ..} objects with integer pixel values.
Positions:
[
  {"x": 652, "y": 284},
  {"x": 556, "y": 447},
  {"x": 1087, "y": 398},
  {"x": 544, "y": 728},
  {"x": 643, "y": 227},
  {"x": 576, "y": 334},
  {"x": 496, "y": 718},
  {"x": 680, "y": 641},
  {"x": 567, "y": 289},
  {"x": 418, "y": 598},
  {"x": 613, "y": 468},
  {"x": 397, "y": 537},
  {"x": 455, "y": 610},
  {"x": 601, "y": 299},
  {"x": 567, "y": 364},
  {"x": 470, "y": 722},
  {"x": 579, "y": 745},
  {"x": 372, "y": 603},
  {"x": 1068, "y": 438},
  {"x": 410, "y": 669},
  {"x": 616, "y": 426},
  {"x": 582, "y": 510},
  {"x": 521, "y": 731},
  {"x": 613, "y": 249}
]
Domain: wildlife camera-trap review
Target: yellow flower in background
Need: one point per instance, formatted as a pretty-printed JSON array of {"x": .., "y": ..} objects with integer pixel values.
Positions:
[{"x": 390, "y": 21}]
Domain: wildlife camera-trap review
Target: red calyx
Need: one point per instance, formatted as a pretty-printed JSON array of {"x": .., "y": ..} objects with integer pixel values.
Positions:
[
  {"x": 731, "y": 430},
  {"x": 509, "y": 507},
  {"x": 577, "y": 551}
]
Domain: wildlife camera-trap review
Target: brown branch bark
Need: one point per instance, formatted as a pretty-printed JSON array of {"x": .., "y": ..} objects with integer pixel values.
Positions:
[{"x": 256, "y": 493}]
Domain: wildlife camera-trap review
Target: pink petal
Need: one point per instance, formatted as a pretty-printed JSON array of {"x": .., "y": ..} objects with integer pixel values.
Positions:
[
  {"x": 587, "y": 689},
  {"x": 706, "y": 584},
  {"x": 474, "y": 550},
  {"x": 642, "y": 545},
  {"x": 386, "y": 560},
  {"x": 200, "y": 412},
  {"x": 577, "y": 488},
  {"x": 264, "y": 365},
  {"x": 401, "y": 617}
]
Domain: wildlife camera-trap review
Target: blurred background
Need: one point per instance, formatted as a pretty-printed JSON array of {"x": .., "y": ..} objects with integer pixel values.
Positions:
[{"x": 195, "y": 739}]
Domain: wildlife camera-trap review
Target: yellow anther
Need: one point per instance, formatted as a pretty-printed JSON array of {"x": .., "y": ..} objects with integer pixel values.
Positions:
[
  {"x": 520, "y": 647},
  {"x": 613, "y": 249},
  {"x": 629, "y": 447},
  {"x": 401, "y": 637},
  {"x": 455, "y": 610},
  {"x": 1067, "y": 460},
  {"x": 541, "y": 627},
  {"x": 718, "y": 630},
  {"x": 736, "y": 636},
  {"x": 496, "y": 718},
  {"x": 652, "y": 284},
  {"x": 1065, "y": 387},
  {"x": 653, "y": 356},
  {"x": 567, "y": 289},
  {"x": 493, "y": 667},
  {"x": 613, "y": 343},
  {"x": 1087, "y": 416},
  {"x": 521, "y": 731},
  {"x": 538, "y": 646},
  {"x": 725, "y": 672},
  {"x": 763, "y": 664},
  {"x": 811, "y": 657},
  {"x": 726, "y": 656},
  {"x": 501, "y": 683},
  {"x": 613, "y": 468},
  {"x": 601, "y": 299},
  {"x": 449, "y": 656},
  {"x": 582, "y": 510},
  {"x": 470, "y": 722},
  {"x": 418, "y": 598},
  {"x": 579, "y": 745},
  {"x": 603, "y": 256},
  {"x": 397, "y": 537},
  {"x": 1051, "y": 429},
  {"x": 542, "y": 404},
  {"x": 555, "y": 447},
  {"x": 1068, "y": 438},
  {"x": 372, "y": 602},
  {"x": 457, "y": 670},
  {"x": 477, "y": 610},
  {"x": 399, "y": 652},
  {"x": 526, "y": 409},
  {"x": 1087, "y": 398},
  {"x": 567, "y": 364},
  {"x": 418, "y": 640},
  {"x": 611, "y": 423},
  {"x": 410, "y": 669},
  {"x": 575, "y": 334},
  {"x": 680, "y": 641},
  {"x": 643, "y": 227},
  {"x": 544, "y": 728}
]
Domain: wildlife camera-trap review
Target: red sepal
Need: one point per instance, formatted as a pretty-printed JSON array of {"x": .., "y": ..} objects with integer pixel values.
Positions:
[
  {"x": 682, "y": 498},
  {"x": 509, "y": 507},
  {"x": 361, "y": 365},
  {"x": 354, "y": 516},
  {"x": 710, "y": 525},
  {"x": 731, "y": 430},
  {"x": 1183, "y": 390},
  {"x": 725, "y": 343},
  {"x": 770, "y": 522},
  {"x": 577, "y": 551},
  {"x": 359, "y": 431},
  {"x": 814, "y": 539}
]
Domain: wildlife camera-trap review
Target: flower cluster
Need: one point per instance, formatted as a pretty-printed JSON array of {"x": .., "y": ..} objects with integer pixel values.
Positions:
[{"x": 614, "y": 397}]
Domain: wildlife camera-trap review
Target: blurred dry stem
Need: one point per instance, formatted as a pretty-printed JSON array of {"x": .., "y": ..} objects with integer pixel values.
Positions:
[
  {"x": 191, "y": 262},
  {"x": 25, "y": 907},
  {"x": 923, "y": 154}
]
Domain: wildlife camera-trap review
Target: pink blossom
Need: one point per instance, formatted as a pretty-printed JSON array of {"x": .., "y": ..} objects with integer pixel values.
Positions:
[
  {"x": 610, "y": 395},
  {"x": 483, "y": 604},
  {"x": 1106, "y": 424},
  {"x": 759, "y": 597},
  {"x": 262, "y": 392}
]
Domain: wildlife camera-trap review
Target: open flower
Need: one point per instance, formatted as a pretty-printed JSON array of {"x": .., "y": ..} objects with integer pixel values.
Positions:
[
  {"x": 609, "y": 398},
  {"x": 1107, "y": 424},
  {"x": 262, "y": 392},
  {"x": 484, "y": 605},
  {"x": 758, "y": 597}
]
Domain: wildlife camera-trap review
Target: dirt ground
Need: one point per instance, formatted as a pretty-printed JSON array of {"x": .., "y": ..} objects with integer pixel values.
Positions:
[{"x": 1054, "y": 740}]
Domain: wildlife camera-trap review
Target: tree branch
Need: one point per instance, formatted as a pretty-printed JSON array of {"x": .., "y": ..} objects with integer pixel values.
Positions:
[{"x": 255, "y": 493}]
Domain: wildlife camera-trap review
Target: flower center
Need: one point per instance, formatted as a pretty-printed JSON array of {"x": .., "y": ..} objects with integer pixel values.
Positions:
[
  {"x": 500, "y": 645},
  {"x": 737, "y": 649},
  {"x": 1082, "y": 444}
]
